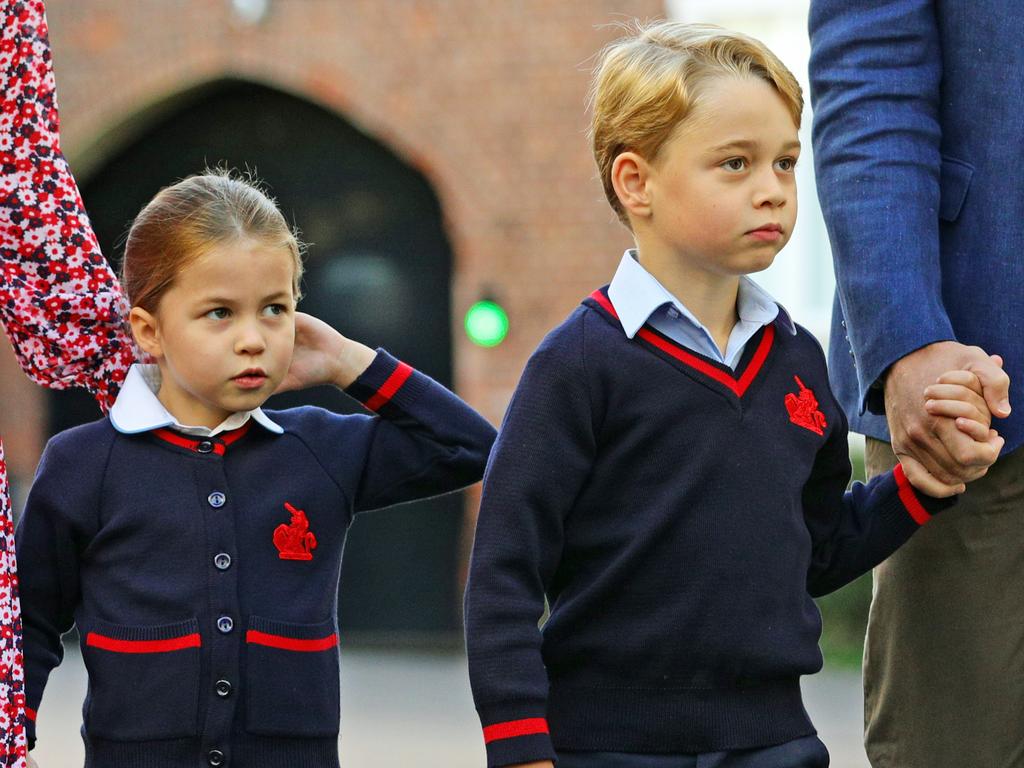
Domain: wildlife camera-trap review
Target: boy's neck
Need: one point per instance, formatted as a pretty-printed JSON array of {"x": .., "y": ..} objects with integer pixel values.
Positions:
[{"x": 711, "y": 298}]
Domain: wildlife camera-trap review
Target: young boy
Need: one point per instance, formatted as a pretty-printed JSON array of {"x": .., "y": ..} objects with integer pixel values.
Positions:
[{"x": 670, "y": 475}]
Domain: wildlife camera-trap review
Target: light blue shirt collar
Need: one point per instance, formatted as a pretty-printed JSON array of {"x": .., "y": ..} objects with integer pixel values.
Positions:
[
  {"x": 636, "y": 295},
  {"x": 137, "y": 408}
]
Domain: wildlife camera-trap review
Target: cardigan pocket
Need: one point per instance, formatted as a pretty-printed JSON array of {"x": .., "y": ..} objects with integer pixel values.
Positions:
[
  {"x": 292, "y": 678},
  {"x": 143, "y": 680}
]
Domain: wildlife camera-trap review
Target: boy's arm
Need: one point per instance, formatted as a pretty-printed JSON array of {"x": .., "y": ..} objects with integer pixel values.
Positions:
[
  {"x": 540, "y": 462},
  {"x": 48, "y": 545},
  {"x": 853, "y": 531}
]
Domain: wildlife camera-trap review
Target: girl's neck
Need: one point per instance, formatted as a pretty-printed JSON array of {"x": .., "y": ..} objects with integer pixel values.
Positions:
[{"x": 711, "y": 297}]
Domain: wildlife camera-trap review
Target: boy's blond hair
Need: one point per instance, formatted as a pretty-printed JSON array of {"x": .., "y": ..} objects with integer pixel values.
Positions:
[{"x": 646, "y": 84}]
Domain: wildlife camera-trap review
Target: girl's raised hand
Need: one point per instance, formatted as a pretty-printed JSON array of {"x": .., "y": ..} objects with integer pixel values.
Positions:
[{"x": 323, "y": 356}]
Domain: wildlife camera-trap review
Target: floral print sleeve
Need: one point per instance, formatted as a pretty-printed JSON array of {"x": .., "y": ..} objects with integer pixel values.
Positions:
[{"x": 60, "y": 304}]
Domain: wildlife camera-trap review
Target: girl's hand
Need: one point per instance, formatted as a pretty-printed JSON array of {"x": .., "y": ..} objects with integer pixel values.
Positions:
[
  {"x": 323, "y": 356},
  {"x": 32, "y": 763}
]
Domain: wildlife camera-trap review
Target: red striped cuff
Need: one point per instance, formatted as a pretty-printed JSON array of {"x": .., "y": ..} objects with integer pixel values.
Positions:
[
  {"x": 143, "y": 646},
  {"x": 514, "y": 728},
  {"x": 390, "y": 387},
  {"x": 909, "y": 497},
  {"x": 290, "y": 643}
]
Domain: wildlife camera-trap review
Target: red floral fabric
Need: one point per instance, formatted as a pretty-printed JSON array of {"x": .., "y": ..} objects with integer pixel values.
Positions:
[{"x": 60, "y": 304}]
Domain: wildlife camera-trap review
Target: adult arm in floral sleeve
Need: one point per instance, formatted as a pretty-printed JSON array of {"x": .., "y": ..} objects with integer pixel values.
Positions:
[{"x": 60, "y": 304}]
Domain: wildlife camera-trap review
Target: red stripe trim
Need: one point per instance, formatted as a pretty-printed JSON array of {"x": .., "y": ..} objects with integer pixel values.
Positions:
[
  {"x": 175, "y": 439},
  {"x": 235, "y": 434},
  {"x": 514, "y": 728},
  {"x": 143, "y": 646},
  {"x": 30, "y": 713},
  {"x": 605, "y": 303},
  {"x": 220, "y": 442},
  {"x": 909, "y": 498},
  {"x": 395, "y": 381},
  {"x": 737, "y": 386},
  {"x": 290, "y": 643}
]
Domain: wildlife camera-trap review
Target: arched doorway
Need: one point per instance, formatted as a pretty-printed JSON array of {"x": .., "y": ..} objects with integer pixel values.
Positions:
[{"x": 378, "y": 269}]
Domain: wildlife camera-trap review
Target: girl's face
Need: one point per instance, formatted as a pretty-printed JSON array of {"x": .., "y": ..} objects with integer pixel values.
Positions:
[{"x": 223, "y": 333}]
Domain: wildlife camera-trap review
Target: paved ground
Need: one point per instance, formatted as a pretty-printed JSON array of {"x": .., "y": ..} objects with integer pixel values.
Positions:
[{"x": 414, "y": 709}]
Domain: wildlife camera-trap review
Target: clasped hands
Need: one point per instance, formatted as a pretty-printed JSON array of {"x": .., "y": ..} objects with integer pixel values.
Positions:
[{"x": 939, "y": 403}]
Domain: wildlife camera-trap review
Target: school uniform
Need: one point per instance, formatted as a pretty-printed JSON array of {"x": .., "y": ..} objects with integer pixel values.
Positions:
[
  {"x": 201, "y": 569},
  {"x": 678, "y": 514}
]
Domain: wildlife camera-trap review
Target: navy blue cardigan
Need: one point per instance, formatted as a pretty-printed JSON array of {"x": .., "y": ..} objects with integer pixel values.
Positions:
[
  {"x": 678, "y": 517},
  {"x": 202, "y": 573}
]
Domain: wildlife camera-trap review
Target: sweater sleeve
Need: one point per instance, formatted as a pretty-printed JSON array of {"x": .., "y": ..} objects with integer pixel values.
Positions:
[
  {"x": 50, "y": 537},
  {"x": 855, "y": 530},
  {"x": 540, "y": 462},
  {"x": 425, "y": 441}
]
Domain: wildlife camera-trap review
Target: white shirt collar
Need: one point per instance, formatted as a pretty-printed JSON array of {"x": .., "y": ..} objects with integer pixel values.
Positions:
[
  {"x": 137, "y": 408},
  {"x": 636, "y": 294}
]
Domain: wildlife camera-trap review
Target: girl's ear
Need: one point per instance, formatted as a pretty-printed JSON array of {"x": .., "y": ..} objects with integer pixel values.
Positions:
[
  {"x": 146, "y": 331},
  {"x": 630, "y": 174}
]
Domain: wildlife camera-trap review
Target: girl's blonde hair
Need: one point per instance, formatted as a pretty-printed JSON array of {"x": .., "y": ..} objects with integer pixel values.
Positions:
[
  {"x": 188, "y": 219},
  {"x": 647, "y": 83}
]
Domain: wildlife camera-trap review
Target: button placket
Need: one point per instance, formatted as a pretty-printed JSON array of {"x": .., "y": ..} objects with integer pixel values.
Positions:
[{"x": 221, "y": 543}]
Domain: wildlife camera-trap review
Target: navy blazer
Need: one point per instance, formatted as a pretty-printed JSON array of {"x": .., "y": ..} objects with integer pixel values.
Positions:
[{"x": 919, "y": 143}]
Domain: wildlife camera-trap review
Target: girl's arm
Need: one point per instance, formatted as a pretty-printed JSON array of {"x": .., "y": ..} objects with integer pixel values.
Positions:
[{"x": 424, "y": 440}]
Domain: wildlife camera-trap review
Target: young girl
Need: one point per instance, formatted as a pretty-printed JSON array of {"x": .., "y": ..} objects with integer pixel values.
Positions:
[{"x": 195, "y": 539}]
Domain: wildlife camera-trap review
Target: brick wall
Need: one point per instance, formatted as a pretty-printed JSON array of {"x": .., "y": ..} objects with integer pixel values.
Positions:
[{"x": 486, "y": 99}]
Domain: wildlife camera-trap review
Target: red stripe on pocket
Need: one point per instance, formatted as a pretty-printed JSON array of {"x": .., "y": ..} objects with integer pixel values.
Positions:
[
  {"x": 143, "y": 646},
  {"x": 290, "y": 643},
  {"x": 909, "y": 498},
  {"x": 513, "y": 728},
  {"x": 394, "y": 383}
]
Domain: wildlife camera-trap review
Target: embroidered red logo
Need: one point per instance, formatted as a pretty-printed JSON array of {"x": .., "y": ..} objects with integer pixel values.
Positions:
[
  {"x": 295, "y": 541},
  {"x": 803, "y": 409}
]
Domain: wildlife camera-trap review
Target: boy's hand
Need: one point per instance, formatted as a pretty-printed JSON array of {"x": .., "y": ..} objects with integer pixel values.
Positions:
[
  {"x": 956, "y": 395},
  {"x": 323, "y": 356}
]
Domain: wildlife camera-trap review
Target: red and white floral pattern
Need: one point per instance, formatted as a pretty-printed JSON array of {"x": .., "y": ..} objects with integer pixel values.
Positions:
[{"x": 60, "y": 304}]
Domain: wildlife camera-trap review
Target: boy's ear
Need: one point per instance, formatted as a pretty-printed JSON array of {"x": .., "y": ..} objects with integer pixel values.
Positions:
[
  {"x": 146, "y": 331},
  {"x": 630, "y": 174}
]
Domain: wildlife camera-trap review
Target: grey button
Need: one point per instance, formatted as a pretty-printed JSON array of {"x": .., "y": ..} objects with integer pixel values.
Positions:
[
  {"x": 216, "y": 757},
  {"x": 844, "y": 323},
  {"x": 223, "y": 688},
  {"x": 222, "y": 561},
  {"x": 217, "y": 498},
  {"x": 225, "y": 624},
  {"x": 205, "y": 447}
]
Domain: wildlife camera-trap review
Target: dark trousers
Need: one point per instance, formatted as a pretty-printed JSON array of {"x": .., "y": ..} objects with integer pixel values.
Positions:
[
  {"x": 808, "y": 752},
  {"x": 944, "y": 655}
]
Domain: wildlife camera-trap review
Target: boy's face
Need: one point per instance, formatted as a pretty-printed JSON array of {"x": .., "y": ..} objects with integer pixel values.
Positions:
[
  {"x": 225, "y": 332},
  {"x": 723, "y": 188}
]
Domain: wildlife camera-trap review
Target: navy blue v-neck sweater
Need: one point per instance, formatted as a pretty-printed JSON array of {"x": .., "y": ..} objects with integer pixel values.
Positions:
[
  {"x": 679, "y": 518},
  {"x": 202, "y": 573}
]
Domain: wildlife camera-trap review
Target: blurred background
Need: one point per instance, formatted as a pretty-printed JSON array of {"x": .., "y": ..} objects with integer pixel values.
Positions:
[{"x": 434, "y": 156}]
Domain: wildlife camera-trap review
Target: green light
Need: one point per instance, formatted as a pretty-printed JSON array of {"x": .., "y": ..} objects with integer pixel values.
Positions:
[{"x": 486, "y": 324}]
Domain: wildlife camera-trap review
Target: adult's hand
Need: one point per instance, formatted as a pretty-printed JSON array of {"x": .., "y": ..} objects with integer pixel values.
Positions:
[{"x": 932, "y": 445}]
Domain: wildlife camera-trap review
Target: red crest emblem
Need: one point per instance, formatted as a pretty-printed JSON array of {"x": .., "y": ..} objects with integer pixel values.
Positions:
[
  {"x": 295, "y": 541},
  {"x": 803, "y": 409}
]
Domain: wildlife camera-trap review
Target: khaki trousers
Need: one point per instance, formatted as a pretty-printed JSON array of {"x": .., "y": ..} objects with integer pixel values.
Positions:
[{"x": 944, "y": 652}]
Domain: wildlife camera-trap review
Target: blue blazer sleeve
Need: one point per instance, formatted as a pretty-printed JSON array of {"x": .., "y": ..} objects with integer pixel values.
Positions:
[{"x": 875, "y": 73}]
